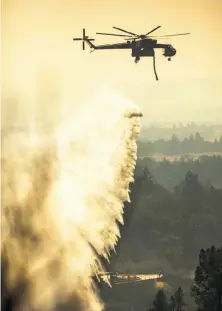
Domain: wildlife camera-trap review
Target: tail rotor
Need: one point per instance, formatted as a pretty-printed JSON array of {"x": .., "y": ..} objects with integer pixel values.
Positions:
[{"x": 83, "y": 39}]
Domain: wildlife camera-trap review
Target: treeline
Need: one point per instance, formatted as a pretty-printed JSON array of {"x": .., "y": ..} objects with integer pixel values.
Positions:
[
  {"x": 206, "y": 289},
  {"x": 174, "y": 146},
  {"x": 175, "y": 303},
  {"x": 175, "y": 224},
  {"x": 170, "y": 173},
  {"x": 181, "y": 130},
  {"x": 164, "y": 230}
]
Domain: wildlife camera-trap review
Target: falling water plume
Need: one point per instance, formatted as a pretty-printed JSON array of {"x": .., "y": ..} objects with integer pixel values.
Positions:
[{"x": 62, "y": 199}]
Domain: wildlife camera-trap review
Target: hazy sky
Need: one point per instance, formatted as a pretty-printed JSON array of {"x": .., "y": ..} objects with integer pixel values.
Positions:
[{"x": 37, "y": 41}]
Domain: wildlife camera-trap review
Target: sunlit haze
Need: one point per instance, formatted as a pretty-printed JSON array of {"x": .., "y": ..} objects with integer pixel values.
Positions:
[{"x": 37, "y": 41}]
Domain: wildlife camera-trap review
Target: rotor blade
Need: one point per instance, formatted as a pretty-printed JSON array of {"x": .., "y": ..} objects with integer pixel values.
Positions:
[
  {"x": 83, "y": 45},
  {"x": 111, "y": 34},
  {"x": 152, "y": 30},
  {"x": 77, "y": 39},
  {"x": 174, "y": 35},
  {"x": 131, "y": 33}
]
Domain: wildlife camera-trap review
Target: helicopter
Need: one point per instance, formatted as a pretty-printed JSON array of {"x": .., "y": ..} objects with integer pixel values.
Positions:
[{"x": 141, "y": 45}]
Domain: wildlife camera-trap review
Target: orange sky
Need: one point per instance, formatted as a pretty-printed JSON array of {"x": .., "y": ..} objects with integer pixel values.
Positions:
[{"x": 37, "y": 34}]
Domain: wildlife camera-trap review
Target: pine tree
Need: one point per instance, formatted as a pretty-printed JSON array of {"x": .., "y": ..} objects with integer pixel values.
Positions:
[
  {"x": 179, "y": 300},
  {"x": 207, "y": 288},
  {"x": 160, "y": 302}
]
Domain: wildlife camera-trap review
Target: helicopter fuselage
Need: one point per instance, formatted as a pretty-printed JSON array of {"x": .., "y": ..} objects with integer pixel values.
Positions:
[
  {"x": 145, "y": 48},
  {"x": 140, "y": 48}
]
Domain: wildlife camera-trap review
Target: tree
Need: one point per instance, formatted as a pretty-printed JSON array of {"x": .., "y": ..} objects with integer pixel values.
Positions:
[
  {"x": 175, "y": 139},
  {"x": 198, "y": 137},
  {"x": 177, "y": 301},
  {"x": 147, "y": 180},
  {"x": 190, "y": 185},
  {"x": 207, "y": 288},
  {"x": 147, "y": 176},
  {"x": 160, "y": 302}
]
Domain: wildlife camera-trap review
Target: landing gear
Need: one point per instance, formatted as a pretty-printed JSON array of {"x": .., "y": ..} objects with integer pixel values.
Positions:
[
  {"x": 169, "y": 59},
  {"x": 137, "y": 59}
]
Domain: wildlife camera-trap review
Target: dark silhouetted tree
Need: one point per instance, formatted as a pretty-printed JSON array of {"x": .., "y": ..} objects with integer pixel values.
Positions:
[
  {"x": 177, "y": 302},
  {"x": 160, "y": 303},
  {"x": 190, "y": 185},
  {"x": 148, "y": 184},
  {"x": 147, "y": 176},
  {"x": 207, "y": 288}
]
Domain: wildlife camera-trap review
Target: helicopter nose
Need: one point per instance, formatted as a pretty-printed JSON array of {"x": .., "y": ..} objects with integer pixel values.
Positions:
[
  {"x": 174, "y": 51},
  {"x": 169, "y": 51}
]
